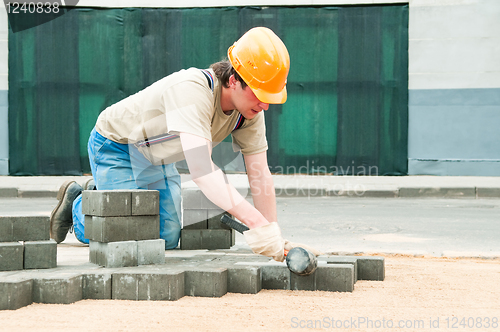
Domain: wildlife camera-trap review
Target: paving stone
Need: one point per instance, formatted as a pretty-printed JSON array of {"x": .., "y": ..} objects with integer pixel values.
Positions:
[
  {"x": 40, "y": 254},
  {"x": 214, "y": 219},
  {"x": 192, "y": 239},
  {"x": 438, "y": 192},
  {"x": 24, "y": 228},
  {"x": 113, "y": 229},
  {"x": 342, "y": 260},
  {"x": 207, "y": 204},
  {"x": 327, "y": 277},
  {"x": 15, "y": 292},
  {"x": 195, "y": 218},
  {"x": 371, "y": 268},
  {"x": 191, "y": 199},
  {"x": 113, "y": 254},
  {"x": 244, "y": 279},
  {"x": 96, "y": 286},
  {"x": 275, "y": 276},
  {"x": 145, "y": 202},
  {"x": 107, "y": 203},
  {"x": 11, "y": 256},
  {"x": 149, "y": 285},
  {"x": 303, "y": 282},
  {"x": 61, "y": 288},
  {"x": 335, "y": 278},
  {"x": 88, "y": 230},
  {"x": 151, "y": 252},
  {"x": 206, "y": 282}
]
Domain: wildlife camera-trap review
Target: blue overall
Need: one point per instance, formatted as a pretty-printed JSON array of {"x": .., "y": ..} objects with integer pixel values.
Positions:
[{"x": 122, "y": 166}]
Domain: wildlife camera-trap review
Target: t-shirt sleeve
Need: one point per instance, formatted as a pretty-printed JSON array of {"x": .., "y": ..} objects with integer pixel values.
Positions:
[
  {"x": 251, "y": 137},
  {"x": 189, "y": 109}
]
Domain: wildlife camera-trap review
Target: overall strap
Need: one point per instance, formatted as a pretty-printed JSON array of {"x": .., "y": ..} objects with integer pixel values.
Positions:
[{"x": 209, "y": 78}]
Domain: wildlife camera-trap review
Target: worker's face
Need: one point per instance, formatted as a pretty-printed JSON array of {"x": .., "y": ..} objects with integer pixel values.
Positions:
[{"x": 246, "y": 102}]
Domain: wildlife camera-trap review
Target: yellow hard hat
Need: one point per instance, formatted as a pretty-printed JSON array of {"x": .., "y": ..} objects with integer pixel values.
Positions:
[{"x": 262, "y": 61}]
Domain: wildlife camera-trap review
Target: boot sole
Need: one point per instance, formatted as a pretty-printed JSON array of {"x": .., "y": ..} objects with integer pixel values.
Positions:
[{"x": 60, "y": 195}]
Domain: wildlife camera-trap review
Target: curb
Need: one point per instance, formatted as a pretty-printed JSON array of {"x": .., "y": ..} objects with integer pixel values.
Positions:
[
  {"x": 16, "y": 193},
  {"x": 360, "y": 191}
]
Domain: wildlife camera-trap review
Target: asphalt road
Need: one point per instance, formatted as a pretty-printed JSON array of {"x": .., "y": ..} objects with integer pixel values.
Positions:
[{"x": 437, "y": 227}]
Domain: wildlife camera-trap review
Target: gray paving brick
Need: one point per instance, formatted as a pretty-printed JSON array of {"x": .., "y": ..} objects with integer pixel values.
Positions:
[
  {"x": 343, "y": 260},
  {"x": 206, "y": 282},
  {"x": 335, "y": 278},
  {"x": 88, "y": 230},
  {"x": 327, "y": 277},
  {"x": 24, "y": 228},
  {"x": 275, "y": 276},
  {"x": 195, "y": 218},
  {"x": 303, "y": 282},
  {"x": 60, "y": 288},
  {"x": 6, "y": 229},
  {"x": 96, "y": 286},
  {"x": 244, "y": 279},
  {"x": 151, "y": 252},
  {"x": 107, "y": 203},
  {"x": 438, "y": 192},
  {"x": 193, "y": 239},
  {"x": 40, "y": 254},
  {"x": 371, "y": 268},
  {"x": 150, "y": 285},
  {"x": 15, "y": 293},
  {"x": 113, "y": 229},
  {"x": 191, "y": 198},
  {"x": 11, "y": 256},
  {"x": 214, "y": 219},
  {"x": 113, "y": 254},
  {"x": 145, "y": 202},
  {"x": 207, "y": 204}
]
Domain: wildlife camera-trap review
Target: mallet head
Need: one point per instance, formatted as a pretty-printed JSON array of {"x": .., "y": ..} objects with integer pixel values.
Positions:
[{"x": 301, "y": 261}]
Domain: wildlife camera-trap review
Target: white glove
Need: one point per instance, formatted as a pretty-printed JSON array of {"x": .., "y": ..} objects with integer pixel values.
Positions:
[
  {"x": 266, "y": 240},
  {"x": 290, "y": 245}
]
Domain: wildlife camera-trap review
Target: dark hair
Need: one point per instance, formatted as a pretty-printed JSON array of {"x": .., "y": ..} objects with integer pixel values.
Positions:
[{"x": 223, "y": 70}]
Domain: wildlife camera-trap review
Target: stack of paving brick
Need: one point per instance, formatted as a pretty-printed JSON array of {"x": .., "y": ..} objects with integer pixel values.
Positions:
[
  {"x": 202, "y": 228},
  {"x": 123, "y": 227},
  {"x": 25, "y": 243}
]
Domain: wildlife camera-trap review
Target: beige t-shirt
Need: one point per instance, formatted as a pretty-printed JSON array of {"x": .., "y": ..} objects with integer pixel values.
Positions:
[{"x": 180, "y": 102}]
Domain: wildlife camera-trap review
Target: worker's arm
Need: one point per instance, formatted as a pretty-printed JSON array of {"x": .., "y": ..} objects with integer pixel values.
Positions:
[
  {"x": 263, "y": 237},
  {"x": 213, "y": 182},
  {"x": 261, "y": 185}
]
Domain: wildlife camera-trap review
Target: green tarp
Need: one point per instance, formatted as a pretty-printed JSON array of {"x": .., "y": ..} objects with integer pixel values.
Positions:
[{"x": 347, "y": 108}]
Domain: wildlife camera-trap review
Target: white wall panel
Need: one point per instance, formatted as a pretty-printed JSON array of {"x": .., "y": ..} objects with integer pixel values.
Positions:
[{"x": 454, "y": 44}]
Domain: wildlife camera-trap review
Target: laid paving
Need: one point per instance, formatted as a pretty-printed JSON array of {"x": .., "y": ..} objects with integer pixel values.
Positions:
[{"x": 206, "y": 273}]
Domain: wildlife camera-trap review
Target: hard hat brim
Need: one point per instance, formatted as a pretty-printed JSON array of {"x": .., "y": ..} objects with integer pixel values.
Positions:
[{"x": 270, "y": 98}]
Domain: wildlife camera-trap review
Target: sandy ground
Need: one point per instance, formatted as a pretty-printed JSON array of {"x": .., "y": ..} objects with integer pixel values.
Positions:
[{"x": 420, "y": 294}]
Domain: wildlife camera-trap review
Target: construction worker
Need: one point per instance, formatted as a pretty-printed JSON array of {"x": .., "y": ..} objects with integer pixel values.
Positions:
[{"x": 136, "y": 141}]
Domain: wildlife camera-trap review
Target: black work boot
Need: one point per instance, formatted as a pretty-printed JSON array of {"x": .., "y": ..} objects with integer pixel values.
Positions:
[
  {"x": 89, "y": 185},
  {"x": 61, "y": 218}
]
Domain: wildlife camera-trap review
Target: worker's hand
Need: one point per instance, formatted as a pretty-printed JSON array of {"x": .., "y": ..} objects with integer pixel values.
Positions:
[
  {"x": 290, "y": 245},
  {"x": 266, "y": 240}
]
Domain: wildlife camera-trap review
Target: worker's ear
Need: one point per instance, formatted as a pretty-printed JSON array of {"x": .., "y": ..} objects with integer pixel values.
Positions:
[{"x": 232, "y": 81}]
